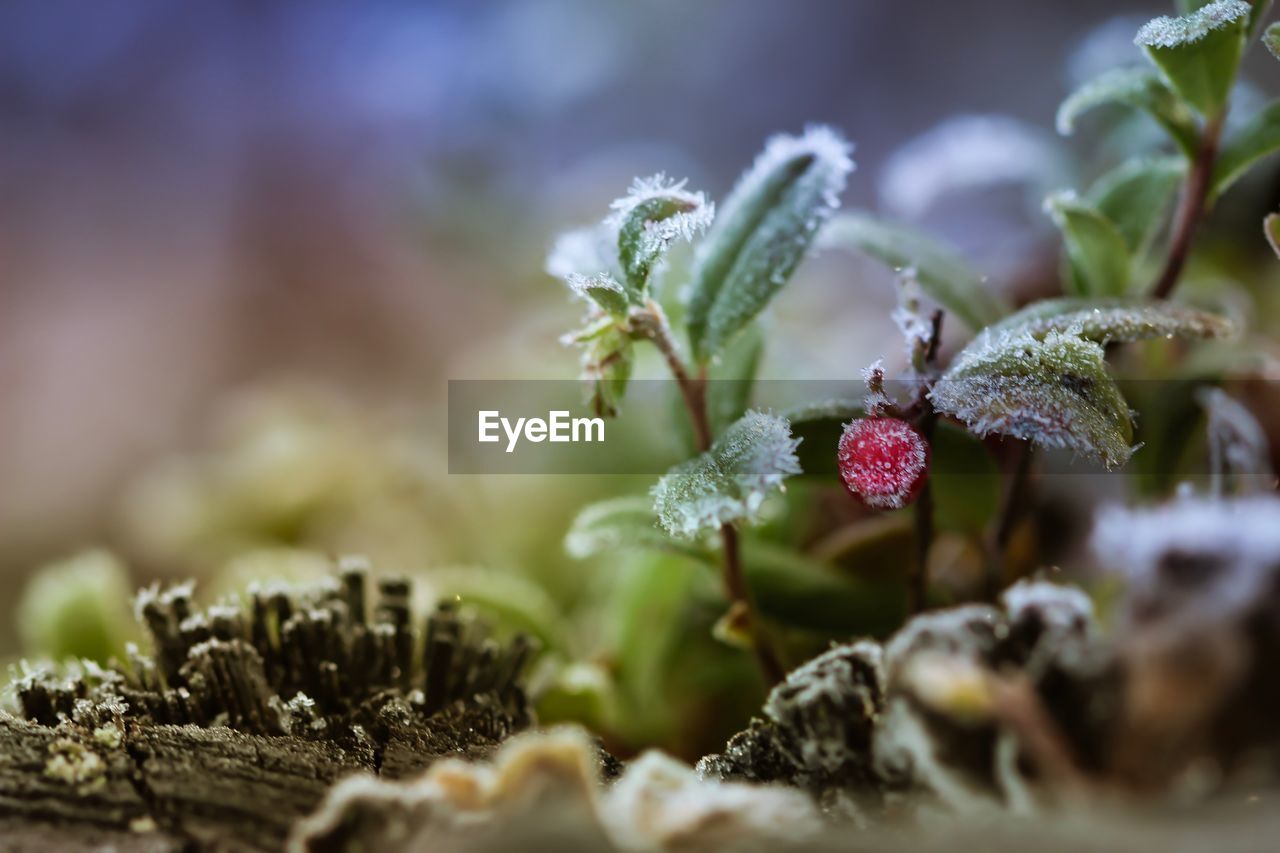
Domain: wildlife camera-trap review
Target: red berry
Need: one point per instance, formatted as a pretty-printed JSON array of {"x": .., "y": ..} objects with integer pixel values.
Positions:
[{"x": 883, "y": 462}]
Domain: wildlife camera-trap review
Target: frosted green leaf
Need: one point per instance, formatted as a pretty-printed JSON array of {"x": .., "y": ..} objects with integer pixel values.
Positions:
[
  {"x": 607, "y": 359},
  {"x": 826, "y": 410},
  {"x": 1199, "y": 53},
  {"x": 1041, "y": 374},
  {"x": 1258, "y": 10},
  {"x": 1271, "y": 227},
  {"x": 728, "y": 483},
  {"x": 1135, "y": 197},
  {"x": 1137, "y": 88},
  {"x": 731, "y": 379},
  {"x": 764, "y": 229},
  {"x": 649, "y": 218},
  {"x": 601, "y": 289},
  {"x": 1096, "y": 249},
  {"x": 1271, "y": 38},
  {"x": 1258, "y": 138},
  {"x": 626, "y": 523},
  {"x": 1104, "y": 321},
  {"x": 942, "y": 274},
  {"x": 1053, "y": 391}
]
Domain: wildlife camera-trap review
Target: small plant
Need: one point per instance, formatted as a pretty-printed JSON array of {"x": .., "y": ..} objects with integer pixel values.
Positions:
[{"x": 1037, "y": 376}]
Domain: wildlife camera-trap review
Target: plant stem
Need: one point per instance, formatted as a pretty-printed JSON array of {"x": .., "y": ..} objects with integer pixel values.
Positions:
[
  {"x": 918, "y": 582},
  {"x": 653, "y": 324},
  {"x": 735, "y": 585},
  {"x": 926, "y": 417},
  {"x": 1191, "y": 208}
]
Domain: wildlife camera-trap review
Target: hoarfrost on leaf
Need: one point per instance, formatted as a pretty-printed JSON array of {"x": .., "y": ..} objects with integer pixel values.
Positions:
[
  {"x": 1053, "y": 391},
  {"x": 1041, "y": 374},
  {"x": 970, "y": 152},
  {"x": 601, "y": 289},
  {"x": 729, "y": 482},
  {"x": 1140, "y": 89},
  {"x": 1271, "y": 38},
  {"x": 616, "y": 524},
  {"x": 1096, "y": 250},
  {"x": 1188, "y": 29},
  {"x": 1105, "y": 321},
  {"x": 763, "y": 231},
  {"x": 648, "y": 220},
  {"x": 1199, "y": 53}
]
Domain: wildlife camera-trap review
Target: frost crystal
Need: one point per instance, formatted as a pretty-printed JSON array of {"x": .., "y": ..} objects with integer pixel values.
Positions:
[
  {"x": 968, "y": 152},
  {"x": 694, "y": 217},
  {"x": 1166, "y": 32},
  {"x": 1055, "y": 392},
  {"x": 883, "y": 461},
  {"x": 764, "y": 229},
  {"x": 1041, "y": 374},
  {"x": 876, "y": 399},
  {"x": 729, "y": 482}
]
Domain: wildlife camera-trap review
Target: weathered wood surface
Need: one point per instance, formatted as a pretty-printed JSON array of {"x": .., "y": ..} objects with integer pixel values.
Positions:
[{"x": 187, "y": 787}]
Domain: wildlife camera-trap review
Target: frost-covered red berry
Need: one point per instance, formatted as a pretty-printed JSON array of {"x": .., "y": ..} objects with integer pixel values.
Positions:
[{"x": 883, "y": 462}]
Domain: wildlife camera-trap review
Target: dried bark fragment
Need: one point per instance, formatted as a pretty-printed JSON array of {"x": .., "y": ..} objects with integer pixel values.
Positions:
[{"x": 243, "y": 717}]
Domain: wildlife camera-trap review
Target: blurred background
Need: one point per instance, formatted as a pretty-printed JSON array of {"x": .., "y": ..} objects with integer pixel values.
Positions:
[{"x": 243, "y": 245}]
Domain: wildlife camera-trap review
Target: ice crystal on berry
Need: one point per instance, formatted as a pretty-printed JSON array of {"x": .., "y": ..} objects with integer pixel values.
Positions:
[{"x": 883, "y": 462}]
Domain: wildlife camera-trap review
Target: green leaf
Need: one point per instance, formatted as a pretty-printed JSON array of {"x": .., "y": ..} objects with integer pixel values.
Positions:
[
  {"x": 1041, "y": 374},
  {"x": 621, "y": 524},
  {"x": 1258, "y": 137},
  {"x": 1258, "y": 10},
  {"x": 653, "y": 215},
  {"x": 511, "y": 601},
  {"x": 731, "y": 379},
  {"x": 826, "y": 410},
  {"x": 1096, "y": 249},
  {"x": 647, "y": 616},
  {"x": 1105, "y": 321},
  {"x": 1271, "y": 227},
  {"x": 1135, "y": 197},
  {"x": 1271, "y": 38},
  {"x": 1199, "y": 53},
  {"x": 1139, "y": 89},
  {"x": 965, "y": 481},
  {"x": 763, "y": 231},
  {"x": 1055, "y": 392},
  {"x": 797, "y": 590},
  {"x": 728, "y": 483},
  {"x": 943, "y": 275},
  {"x": 602, "y": 289},
  {"x": 607, "y": 359}
]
